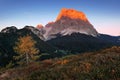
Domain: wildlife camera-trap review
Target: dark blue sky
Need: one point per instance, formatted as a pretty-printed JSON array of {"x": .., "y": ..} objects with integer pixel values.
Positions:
[{"x": 103, "y": 14}]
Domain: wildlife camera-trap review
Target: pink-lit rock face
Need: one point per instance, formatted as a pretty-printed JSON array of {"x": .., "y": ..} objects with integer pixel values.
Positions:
[
  {"x": 69, "y": 21},
  {"x": 39, "y": 26},
  {"x": 49, "y": 24},
  {"x": 71, "y": 13}
]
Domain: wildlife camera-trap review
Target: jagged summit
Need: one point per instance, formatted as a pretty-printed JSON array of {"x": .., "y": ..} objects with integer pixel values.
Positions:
[{"x": 71, "y": 13}]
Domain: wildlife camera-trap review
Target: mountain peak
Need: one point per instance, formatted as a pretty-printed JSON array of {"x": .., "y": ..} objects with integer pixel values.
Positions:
[
  {"x": 69, "y": 21},
  {"x": 71, "y": 13}
]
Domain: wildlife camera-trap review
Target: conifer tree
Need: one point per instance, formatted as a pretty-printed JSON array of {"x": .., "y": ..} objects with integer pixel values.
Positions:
[{"x": 26, "y": 49}]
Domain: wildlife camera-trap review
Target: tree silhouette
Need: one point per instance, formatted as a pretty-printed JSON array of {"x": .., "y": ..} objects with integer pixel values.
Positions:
[{"x": 26, "y": 48}]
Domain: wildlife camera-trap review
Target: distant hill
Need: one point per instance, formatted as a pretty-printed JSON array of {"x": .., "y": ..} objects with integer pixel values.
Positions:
[{"x": 113, "y": 39}]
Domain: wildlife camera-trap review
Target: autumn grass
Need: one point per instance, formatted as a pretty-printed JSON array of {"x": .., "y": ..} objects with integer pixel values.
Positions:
[{"x": 99, "y": 65}]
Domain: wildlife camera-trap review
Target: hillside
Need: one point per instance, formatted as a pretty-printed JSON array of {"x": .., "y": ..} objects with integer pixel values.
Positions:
[
  {"x": 77, "y": 43},
  {"x": 99, "y": 65},
  {"x": 8, "y": 40}
]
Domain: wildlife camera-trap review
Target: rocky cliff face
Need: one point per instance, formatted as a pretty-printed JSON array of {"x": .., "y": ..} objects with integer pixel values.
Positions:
[
  {"x": 35, "y": 31},
  {"x": 69, "y": 21}
]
